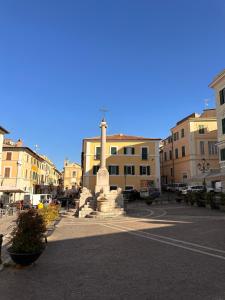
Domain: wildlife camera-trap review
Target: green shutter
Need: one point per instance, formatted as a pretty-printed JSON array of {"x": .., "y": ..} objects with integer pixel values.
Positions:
[
  {"x": 133, "y": 151},
  {"x": 125, "y": 150},
  {"x": 133, "y": 170},
  {"x": 148, "y": 170},
  {"x": 125, "y": 170},
  {"x": 117, "y": 170},
  {"x": 223, "y": 126}
]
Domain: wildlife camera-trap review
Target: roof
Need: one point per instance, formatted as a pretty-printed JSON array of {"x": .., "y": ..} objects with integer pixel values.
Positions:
[
  {"x": 3, "y": 130},
  {"x": 217, "y": 78},
  {"x": 123, "y": 137},
  {"x": 16, "y": 148}
]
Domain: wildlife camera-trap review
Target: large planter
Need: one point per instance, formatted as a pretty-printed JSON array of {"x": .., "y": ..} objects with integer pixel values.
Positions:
[
  {"x": 222, "y": 208},
  {"x": 24, "y": 259}
]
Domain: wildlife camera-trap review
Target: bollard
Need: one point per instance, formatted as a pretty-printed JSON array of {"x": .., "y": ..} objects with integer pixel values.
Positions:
[{"x": 1, "y": 241}]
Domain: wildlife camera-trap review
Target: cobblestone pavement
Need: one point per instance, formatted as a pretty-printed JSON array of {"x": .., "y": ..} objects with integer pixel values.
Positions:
[{"x": 168, "y": 251}]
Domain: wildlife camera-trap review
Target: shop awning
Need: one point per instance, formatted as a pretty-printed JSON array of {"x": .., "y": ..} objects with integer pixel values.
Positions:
[{"x": 11, "y": 189}]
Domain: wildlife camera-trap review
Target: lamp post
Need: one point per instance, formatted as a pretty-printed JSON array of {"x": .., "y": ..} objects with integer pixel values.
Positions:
[{"x": 204, "y": 167}]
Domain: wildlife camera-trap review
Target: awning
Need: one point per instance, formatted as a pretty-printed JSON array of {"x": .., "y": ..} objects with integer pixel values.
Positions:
[{"x": 11, "y": 189}]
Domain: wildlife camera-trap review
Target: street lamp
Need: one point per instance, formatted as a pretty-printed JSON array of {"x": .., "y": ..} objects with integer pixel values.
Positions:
[{"x": 204, "y": 167}]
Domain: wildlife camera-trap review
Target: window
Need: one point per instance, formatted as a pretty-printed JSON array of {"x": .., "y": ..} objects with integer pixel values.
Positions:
[
  {"x": 170, "y": 154},
  {"x": 144, "y": 153},
  {"x": 113, "y": 170},
  {"x": 201, "y": 129},
  {"x": 144, "y": 170},
  {"x": 129, "y": 151},
  {"x": 129, "y": 170},
  {"x": 170, "y": 139},
  {"x": 183, "y": 151},
  {"x": 212, "y": 148},
  {"x": 176, "y": 153},
  {"x": 165, "y": 156},
  {"x": 171, "y": 171},
  {"x": 129, "y": 187},
  {"x": 74, "y": 174},
  {"x": 113, "y": 187},
  {"x": 97, "y": 153},
  {"x": 113, "y": 151},
  {"x": 222, "y": 96},
  {"x": 222, "y": 154},
  {"x": 176, "y": 136},
  {"x": 182, "y": 132},
  {"x": 202, "y": 148},
  {"x": 223, "y": 126},
  {"x": 95, "y": 170},
  {"x": 9, "y": 156},
  {"x": 7, "y": 173}
]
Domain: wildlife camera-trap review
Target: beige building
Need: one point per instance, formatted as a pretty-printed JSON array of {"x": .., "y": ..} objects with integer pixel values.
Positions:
[
  {"x": 218, "y": 84},
  {"x": 24, "y": 171},
  {"x": 132, "y": 161},
  {"x": 72, "y": 175},
  {"x": 189, "y": 154}
]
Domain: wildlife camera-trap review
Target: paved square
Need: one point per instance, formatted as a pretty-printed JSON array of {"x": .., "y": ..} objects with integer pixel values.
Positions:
[{"x": 156, "y": 252}]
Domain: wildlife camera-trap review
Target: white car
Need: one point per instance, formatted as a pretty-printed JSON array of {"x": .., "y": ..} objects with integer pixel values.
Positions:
[{"x": 192, "y": 188}]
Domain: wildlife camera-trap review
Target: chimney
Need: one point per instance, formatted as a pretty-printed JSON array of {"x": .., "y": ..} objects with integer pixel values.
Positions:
[{"x": 19, "y": 143}]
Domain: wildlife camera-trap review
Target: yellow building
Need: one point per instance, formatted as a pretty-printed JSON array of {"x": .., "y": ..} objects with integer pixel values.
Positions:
[
  {"x": 132, "y": 161},
  {"x": 24, "y": 171},
  {"x": 218, "y": 84},
  {"x": 193, "y": 139},
  {"x": 72, "y": 175}
]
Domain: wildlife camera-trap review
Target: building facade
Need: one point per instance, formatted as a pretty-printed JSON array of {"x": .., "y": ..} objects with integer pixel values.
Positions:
[
  {"x": 72, "y": 175},
  {"x": 132, "y": 161},
  {"x": 218, "y": 84},
  {"x": 24, "y": 171},
  {"x": 193, "y": 141}
]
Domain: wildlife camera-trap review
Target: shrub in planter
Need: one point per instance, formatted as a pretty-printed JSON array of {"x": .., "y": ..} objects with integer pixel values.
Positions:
[
  {"x": 214, "y": 201},
  {"x": 201, "y": 199},
  {"x": 27, "y": 238},
  {"x": 49, "y": 213},
  {"x": 148, "y": 201},
  {"x": 191, "y": 198},
  {"x": 222, "y": 201}
]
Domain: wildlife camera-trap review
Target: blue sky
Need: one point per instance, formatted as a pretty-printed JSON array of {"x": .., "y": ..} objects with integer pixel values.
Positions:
[{"x": 148, "y": 62}]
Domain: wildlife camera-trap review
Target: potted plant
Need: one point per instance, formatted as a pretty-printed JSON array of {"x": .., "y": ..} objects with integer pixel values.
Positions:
[
  {"x": 215, "y": 201},
  {"x": 27, "y": 238},
  {"x": 222, "y": 202},
  {"x": 201, "y": 199}
]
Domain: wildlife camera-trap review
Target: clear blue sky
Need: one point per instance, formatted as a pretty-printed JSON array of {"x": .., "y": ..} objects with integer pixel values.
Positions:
[{"x": 149, "y": 62}]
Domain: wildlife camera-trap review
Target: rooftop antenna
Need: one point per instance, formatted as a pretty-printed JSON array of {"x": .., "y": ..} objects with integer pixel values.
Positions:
[
  {"x": 36, "y": 148},
  {"x": 104, "y": 111},
  {"x": 206, "y": 103}
]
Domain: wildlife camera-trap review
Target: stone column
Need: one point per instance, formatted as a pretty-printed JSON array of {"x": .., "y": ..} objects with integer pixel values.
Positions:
[
  {"x": 103, "y": 127},
  {"x": 102, "y": 178}
]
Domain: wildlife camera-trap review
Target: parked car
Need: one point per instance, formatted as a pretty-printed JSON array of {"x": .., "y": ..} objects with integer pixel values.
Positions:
[
  {"x": 192, "y": 188},
  {"x": 151, "y": 193},
  {"x": 131, "y": 195}
]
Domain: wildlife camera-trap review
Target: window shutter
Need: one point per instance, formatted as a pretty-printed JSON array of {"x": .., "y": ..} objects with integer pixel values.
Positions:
[
  {"x": 221, "y": 97},
  {"x": 133, "y": 170},
  {"x": 148, "y": 170},
  {"x": 117, "y": 170},
  {"x": 140, "y": 170},
  {"x": 109, "y": 169},
  {"x": 125, "y": 170},
  {"x": 124, "y": 150},
  {"x": 133, "y": 151}
]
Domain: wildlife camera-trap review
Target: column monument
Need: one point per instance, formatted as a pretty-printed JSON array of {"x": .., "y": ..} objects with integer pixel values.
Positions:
[{"x": 102, "y": 178}]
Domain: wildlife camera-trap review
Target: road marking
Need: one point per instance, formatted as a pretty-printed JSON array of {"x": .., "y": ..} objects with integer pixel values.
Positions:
[{"x": 162, "y": 239}]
